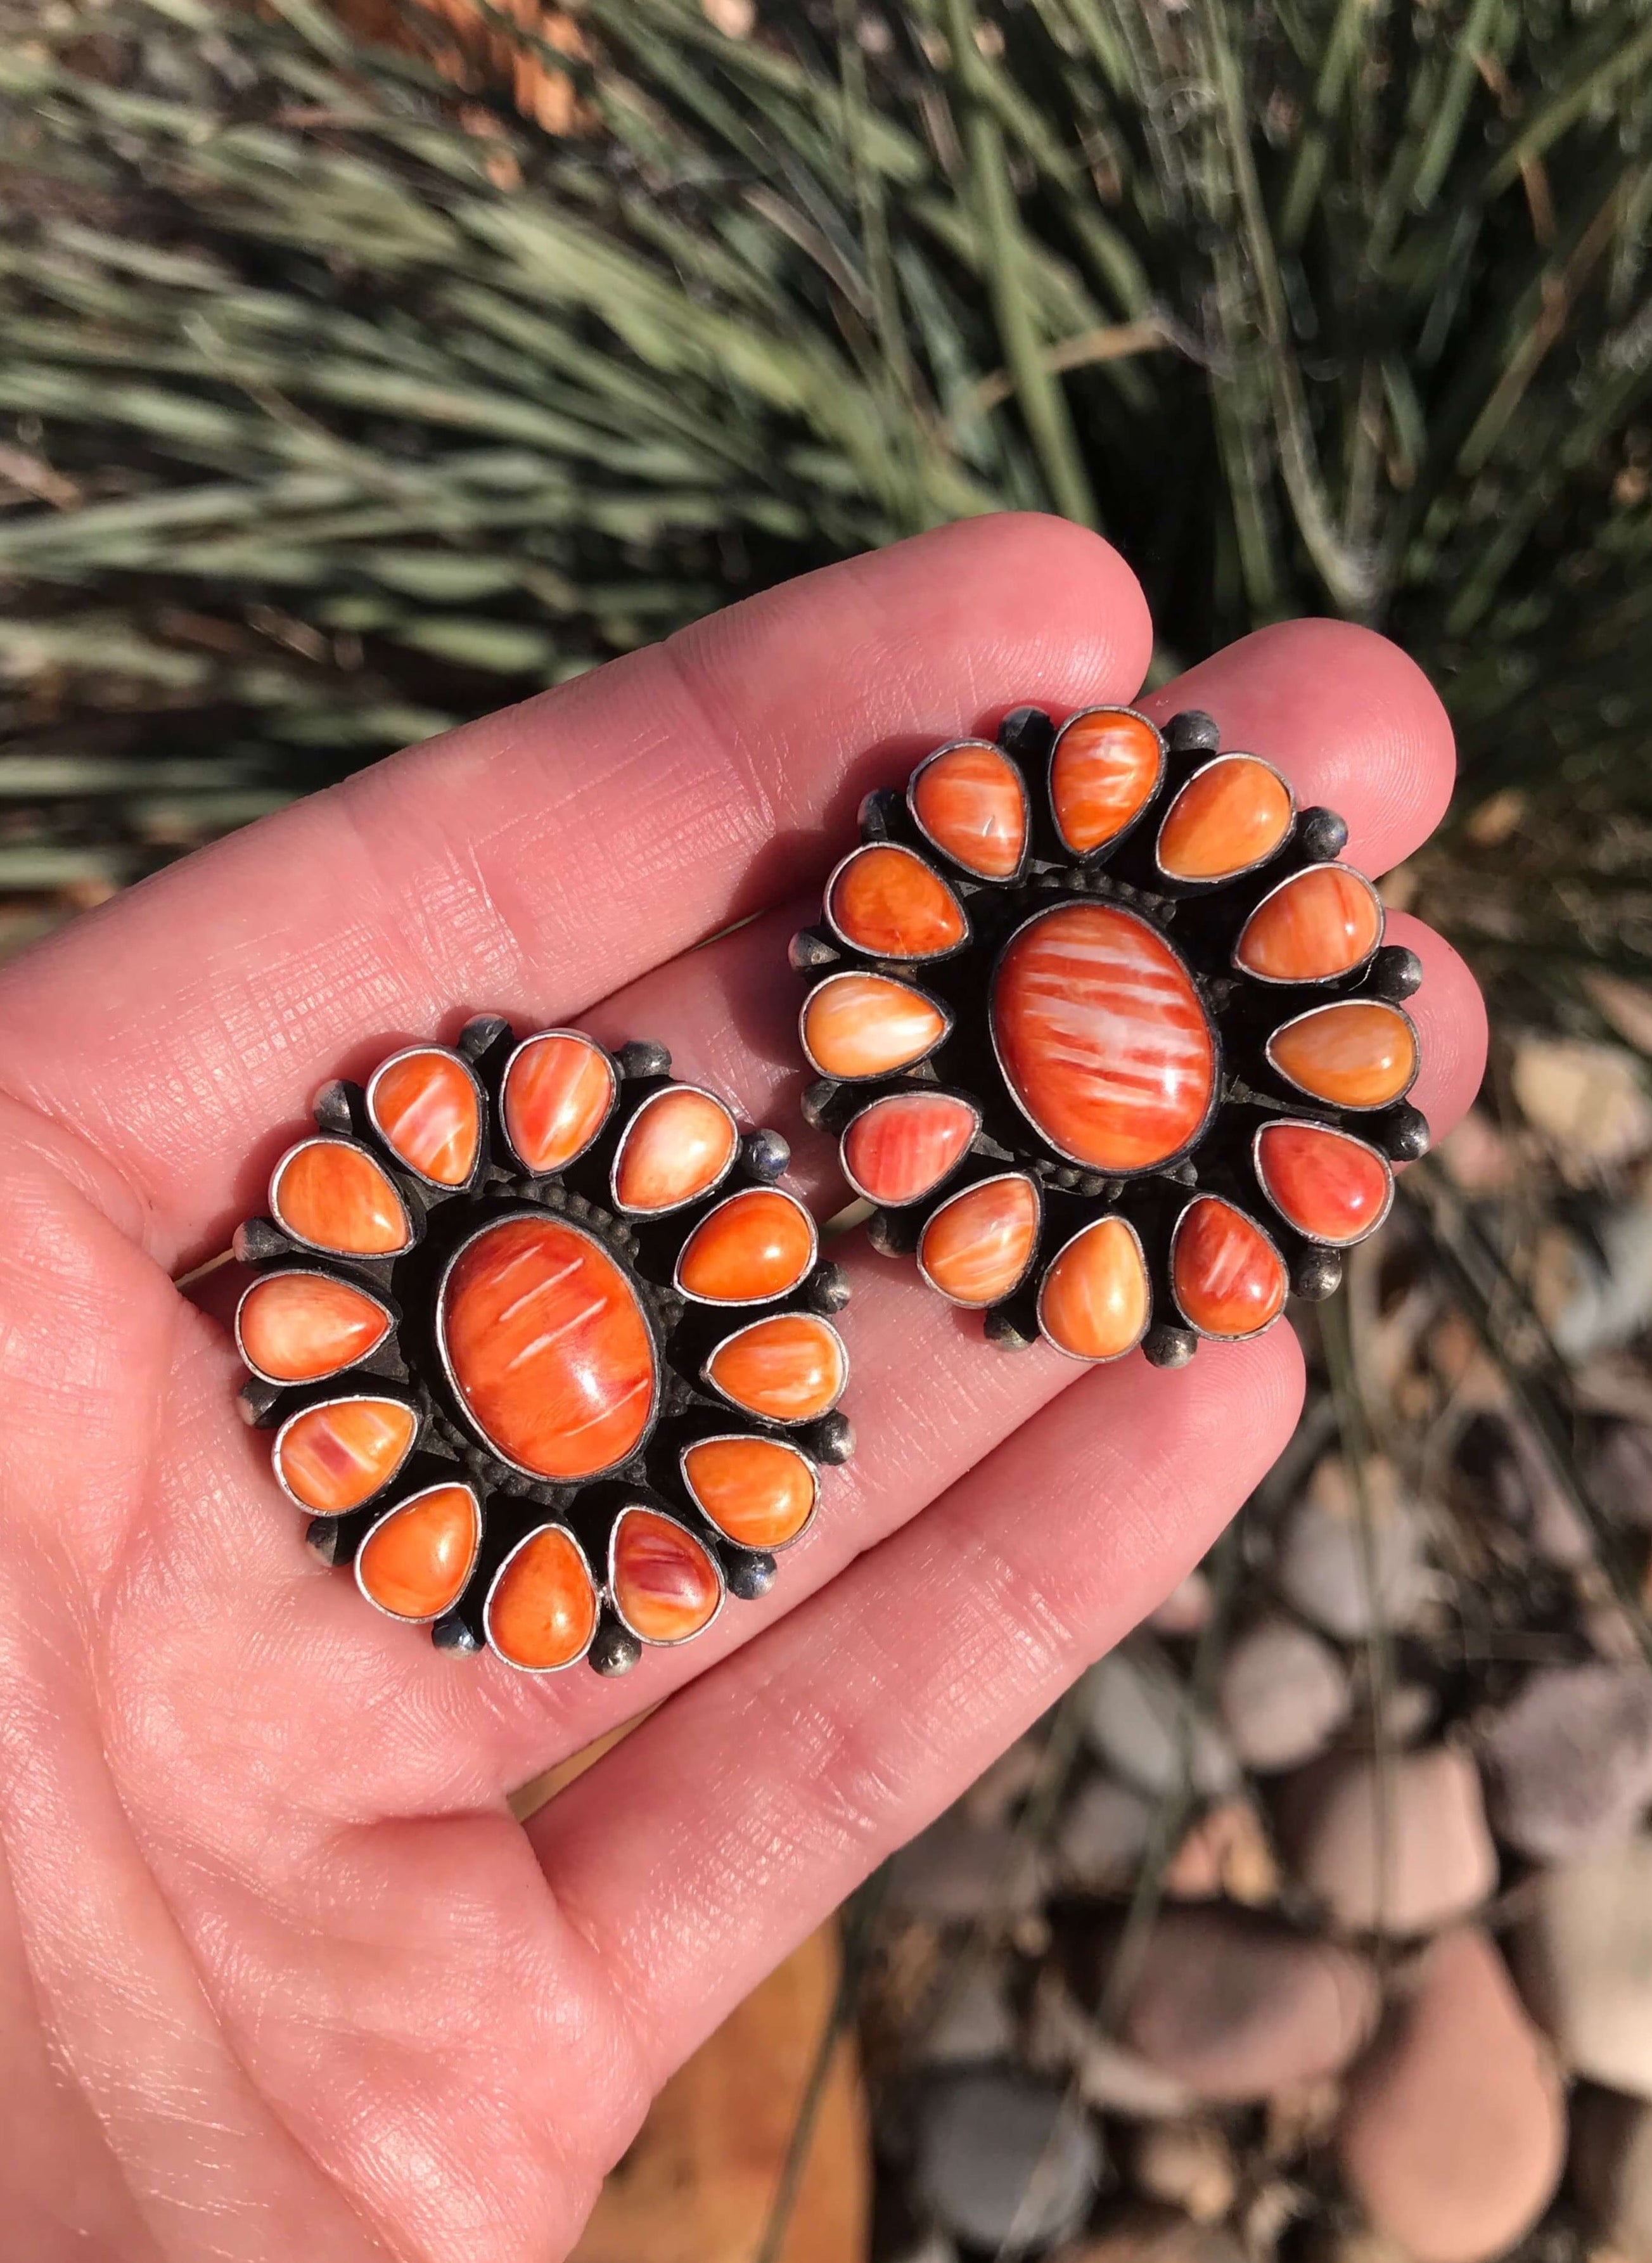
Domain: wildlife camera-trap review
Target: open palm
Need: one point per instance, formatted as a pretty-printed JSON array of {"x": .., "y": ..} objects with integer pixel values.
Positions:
[{"x": 280, "y": 1974}]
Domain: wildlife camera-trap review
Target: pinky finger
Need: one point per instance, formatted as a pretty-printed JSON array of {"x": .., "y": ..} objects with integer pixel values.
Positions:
[{"x": 732, "y": 1823}]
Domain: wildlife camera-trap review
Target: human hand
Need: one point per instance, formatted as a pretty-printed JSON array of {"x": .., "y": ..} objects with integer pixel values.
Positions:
[{"x": 281, "y": 1974}]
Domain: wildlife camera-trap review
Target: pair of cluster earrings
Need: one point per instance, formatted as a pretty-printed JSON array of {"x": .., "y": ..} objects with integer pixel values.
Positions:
[{"x": 1111, "y": 1047}]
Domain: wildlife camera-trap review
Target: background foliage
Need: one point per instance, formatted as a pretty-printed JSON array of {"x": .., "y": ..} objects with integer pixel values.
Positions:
[{"x": 345, "y": 398}]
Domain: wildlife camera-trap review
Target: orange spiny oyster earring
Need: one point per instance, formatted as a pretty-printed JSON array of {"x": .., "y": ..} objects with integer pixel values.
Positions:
[
  {"x": 1111, "y": 1040},
  {"x": 543, "y": 1352}
]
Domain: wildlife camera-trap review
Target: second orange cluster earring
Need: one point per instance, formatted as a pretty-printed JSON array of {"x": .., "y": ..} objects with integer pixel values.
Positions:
[{"x": 1109, "y": 1036}]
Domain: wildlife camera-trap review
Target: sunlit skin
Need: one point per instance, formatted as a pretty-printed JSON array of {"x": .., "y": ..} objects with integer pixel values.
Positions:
[{"x": 280, "y": 1974}]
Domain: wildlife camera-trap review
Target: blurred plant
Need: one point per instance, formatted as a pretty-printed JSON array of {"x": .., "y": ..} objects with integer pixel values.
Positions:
[{"x": 345, "y": 398}]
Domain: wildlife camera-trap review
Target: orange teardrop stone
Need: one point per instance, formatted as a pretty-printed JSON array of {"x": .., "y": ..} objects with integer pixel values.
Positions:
[
  {"x": 860, "y": 1025},
  {"x": 1355, "y": 1054},
  {"x": 542, "y": 1611},
  {"x": 1104, "y": 771},
  {"x": 666, "y": 1587},
  {"x": 790, "y": 1368},
  {"x": 548, "y": 1348},
  {"x": 758, "y": 1491},
  {"x": 425, "y": 1107},
  {"x": 978, "y": 1246},
  {"x": 1330, "y": 1187},
  {"x": 971, "y": 803},
  {"x": 1095, "y": 1302},
  {"x": 756, "y": 1244},
  {"x": 888, "y": 903},
  {"x": 297, "y": 1327},
  {"x": 1323, "y": 921},
  {"x": 1229, "y": 1279},
  {"x": 414, "y": 1562},
  {"x": 559, "y": 1089},
  {"x": 676, "y": 1147},
  {"x": 334, "y": 1457},
  {"x": 334, "y": 1196},
  {"x": 902, "y": 1148},
  {"x": 1102, "y": 1037},
  {"x": 1229, "y": 816}
]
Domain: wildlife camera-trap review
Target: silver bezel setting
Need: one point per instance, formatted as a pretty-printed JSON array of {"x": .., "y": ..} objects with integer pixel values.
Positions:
[
  {"x": 478, "y": 1162},
  {"x": 769, "y": 1296},
  {"x": 576, "y": 1037},
  {"x": 651, "y": 1641},
  {"x": 1096, "y": 1225},
  {"x": 669, "y": 1209},
  {"x": 975, "y": 872},
  {"x": 896, "y": 1068},
  {"x": 895, "y": 957},
  {"x": 395, "y": 1509},
  {"x": 1307, "y": 981},
  {"x": 560, "y": 1220},
  {"x": 1213, "y": 1336},
  {"x": 749, "y": 1438},
  {"x": 1238, "y": 871},
  {"x": 784, "y": 1421},
  {"x": 328, "y": 1249},
  {"x": 979, "y": 1186},
  {"x": 550, "y": 1524}
]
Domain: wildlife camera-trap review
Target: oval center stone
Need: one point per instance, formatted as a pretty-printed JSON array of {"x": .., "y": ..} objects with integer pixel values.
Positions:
[
  {"x": 1102, "y": 1038},
  {"x": 548, "y": 1348}
]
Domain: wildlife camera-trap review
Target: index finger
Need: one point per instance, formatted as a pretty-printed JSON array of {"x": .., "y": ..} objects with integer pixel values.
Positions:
[{"x": 538, "y": 859}]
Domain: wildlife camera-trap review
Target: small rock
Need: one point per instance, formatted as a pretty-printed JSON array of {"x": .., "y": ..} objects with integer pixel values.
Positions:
[
  {"x": 1613, "y": 1635},
  {"x": 973, "y": 2022},
  {"x": 1236, "y": 2006},
  {"x": 1102, "y": 1835},
  {"x": 1627, "y": 1006},
  {"x": 1611, "y": 2168},
  {"x": 1003, "y": 2162},
  {"x": 1620, "y": 1471},
  {"x": 1225, "y": 1854},
  {"x": 1136, "y": 1716},
  {"x": 1185, "y": 1609},
  {"x": 1063, "y": 2038},
  {"x": 1187, "y": 2165},
  {"x": 1604, "y": 1299},
  {"x": 1584, "y": 1960},
  {"x": 1588, "y": 1099},
  {"x": 1301, "y": 2117},
  {"x": 1154, "y": 2235},
  {"x": 931, "y": 2247},
  {"x": 1477, "y": 1155},
  {"x": 1268, "y": 2213},
  {"x": 1283, "y": 1694},
  {"x": 1570, "y": 1760},
  {"x": 1454, "y": 2131},
  {"x": 953, "y": 1870},
  {"x": 1322, "y": 1566},
  {"x": 1408, "y": 1712},
  {"x": 1534, "y": 1501},
  {"x": 1433, "y": 1844}
]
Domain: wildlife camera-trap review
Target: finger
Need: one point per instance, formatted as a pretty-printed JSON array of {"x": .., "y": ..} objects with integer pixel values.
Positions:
[
  {"x": 697, "y": 1854},
  {"x": 1450, "y": 1015},
  {"x": 541, "y": 857},
  {"x": 1351, "y": 721}
]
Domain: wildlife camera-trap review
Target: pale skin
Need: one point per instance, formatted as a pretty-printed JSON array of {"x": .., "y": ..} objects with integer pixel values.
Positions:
[{"x": 279, "y": 1974}]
